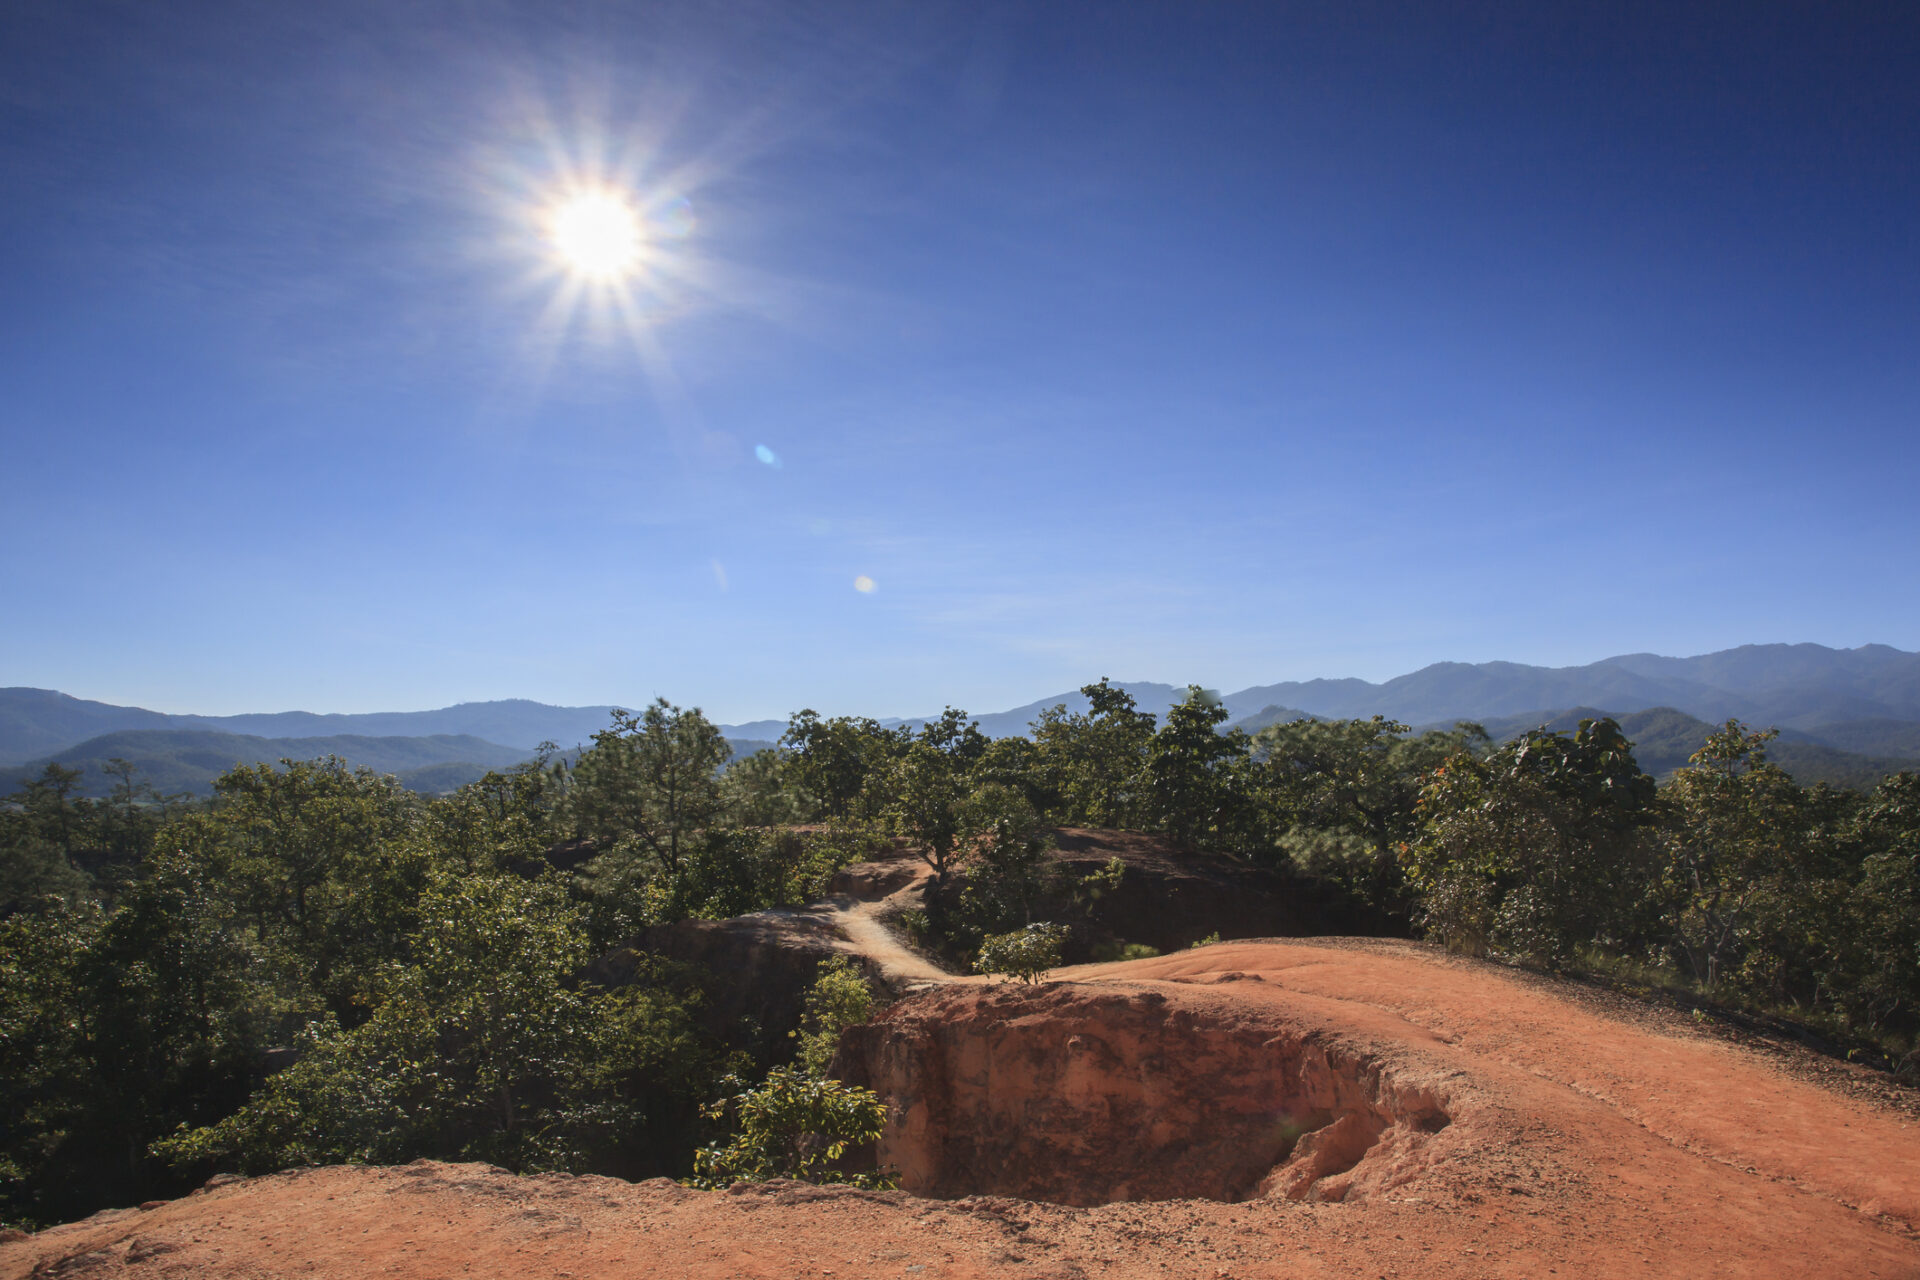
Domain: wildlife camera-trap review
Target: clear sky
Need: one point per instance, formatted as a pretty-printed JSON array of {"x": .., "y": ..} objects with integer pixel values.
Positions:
[{"x": 1212, "y": 342}]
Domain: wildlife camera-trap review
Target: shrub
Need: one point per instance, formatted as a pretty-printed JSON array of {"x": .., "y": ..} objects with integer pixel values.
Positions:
[
  {"x": 1109, "y": 952},
  {"x": 793, "y": 1126},
  {"x": 1025, "y": 954},
  {"x": 838, "y": 999}
]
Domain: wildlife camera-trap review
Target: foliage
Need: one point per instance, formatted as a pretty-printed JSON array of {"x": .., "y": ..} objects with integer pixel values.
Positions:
[
  {"x": 57, "y": 844},
  {"x": 763, "y": 790},
  {"x": 115, "y": 1028},
  {"x": 725, "y": 871},
  {"x": 316, "y": 964},
  {"x": 325, "y": 865},
  {"x": 1746, "y": 863},
  {"x": 1089, "y": 768},
  {"x": 479, "y": 1050},
  {"x": 1010, "y": 864},
  {"x": 927, "y": 792},
  {"x": 1197, "y": 786},
  {"x": 836, "y": 767},
  {"x": 503, "y": 819},
  {"x": 652, "y": 780},
  {"x": 839, "y": 998},
  {"x": 1344, "y": 793},
  {"x": 1879, "y": 984},
  {"x": 1025, "y": 954},
  {"x": 1096, "y": 884},
  {"x": 1109, "y": 952},
  {"x": 1536, "y": 848},
  {"x": 793, "y": 1125}
]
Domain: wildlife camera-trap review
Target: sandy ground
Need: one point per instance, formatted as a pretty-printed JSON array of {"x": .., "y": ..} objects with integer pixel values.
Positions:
[{"x": 1588, "y": 1141}]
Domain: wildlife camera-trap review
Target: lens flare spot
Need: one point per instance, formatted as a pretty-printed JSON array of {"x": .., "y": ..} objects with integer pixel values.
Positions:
[
  {"x": 768, "y": 456},
  {"x": 863, "y": 584},
  {"x": 673, "y": 218}
]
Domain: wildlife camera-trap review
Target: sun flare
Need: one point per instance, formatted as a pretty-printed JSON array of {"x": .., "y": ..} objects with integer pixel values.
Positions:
[{"x": 597, "y": 235}]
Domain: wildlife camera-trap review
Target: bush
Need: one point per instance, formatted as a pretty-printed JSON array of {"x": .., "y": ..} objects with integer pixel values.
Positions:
[
  {"x": 1109, "y": 952},
  {"x": 793, "y": 1126},
  {"x": 838, "y": 999},
  {"x": 1025, "y": 954}
]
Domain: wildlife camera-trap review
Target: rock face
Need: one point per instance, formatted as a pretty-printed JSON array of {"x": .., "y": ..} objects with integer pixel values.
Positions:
[{"x": 1086, "y": 1096}]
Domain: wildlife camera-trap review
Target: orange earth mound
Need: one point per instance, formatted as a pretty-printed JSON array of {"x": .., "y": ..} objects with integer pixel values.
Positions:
[{"x": 1332, "y": 1109}]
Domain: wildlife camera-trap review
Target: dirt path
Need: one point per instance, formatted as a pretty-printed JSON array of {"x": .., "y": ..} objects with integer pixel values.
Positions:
[
  {"x": 858, "y": 920},
  {"x": 859, "y": 923}
]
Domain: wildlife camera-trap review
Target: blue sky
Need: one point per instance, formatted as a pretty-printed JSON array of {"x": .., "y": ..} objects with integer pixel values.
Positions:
[{"x": 1187, "y": 342}]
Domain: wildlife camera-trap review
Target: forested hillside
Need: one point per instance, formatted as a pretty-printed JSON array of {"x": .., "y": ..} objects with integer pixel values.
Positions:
[{"x": 188, "y": 760}]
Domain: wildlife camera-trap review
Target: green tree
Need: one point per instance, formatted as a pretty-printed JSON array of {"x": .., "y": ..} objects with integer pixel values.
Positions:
[
  {"x": 763, "y": 790},
  {"x": 652, "y": 780},
  {"x": 1746, "y": 870},
  {"x": 1538, "y": 848},
  {"x": 928, "y": 788},
  {"x": 130, "y": 817},
  {"x": 1881, "y": 988},
  {"x": 505, "y": 818},
  {"x": 42, "y": 825},
  {"x": 840, "y": 766},
  {"x": 1015, "y": 762},
  {"x": 43, "y": 1064},
  {"x": 956, "y": 736},
  {"x": 1092, "y": 765},
  {"x": 1198, "y": 783},
  {"x": 1343, "y": 796},
  {"x": 1009, "y": 856},
  {"x": 114, "y": 1029}
]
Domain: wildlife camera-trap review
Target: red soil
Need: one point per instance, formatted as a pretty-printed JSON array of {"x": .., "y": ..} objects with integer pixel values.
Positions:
[{"x": 1579, "y": 1139}]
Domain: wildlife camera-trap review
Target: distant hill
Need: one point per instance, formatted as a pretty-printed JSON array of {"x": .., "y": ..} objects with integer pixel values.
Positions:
[
  {"x": 1270, "y": 715},
  {"x": 1797, "y": 686},
  {"x": 1789, "y": 686},
  {"x": 1148, "y": 696},
  {"x": 1861, "y": 701},
  {"x": 1871, "y": 737},
  {"x": 40, "y": 722},
  {"x": 1663, "y": 738},
  {"x": 188, "y": 760},
  {"x": 37, "y": 724}
]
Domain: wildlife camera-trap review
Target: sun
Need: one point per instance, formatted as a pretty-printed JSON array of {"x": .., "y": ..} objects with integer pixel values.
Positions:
[{"x": 597, "y": 235}]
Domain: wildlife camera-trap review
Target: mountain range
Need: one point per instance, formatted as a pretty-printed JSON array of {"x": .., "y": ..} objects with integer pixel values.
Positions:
[{"x": 1862, "y": 704}]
